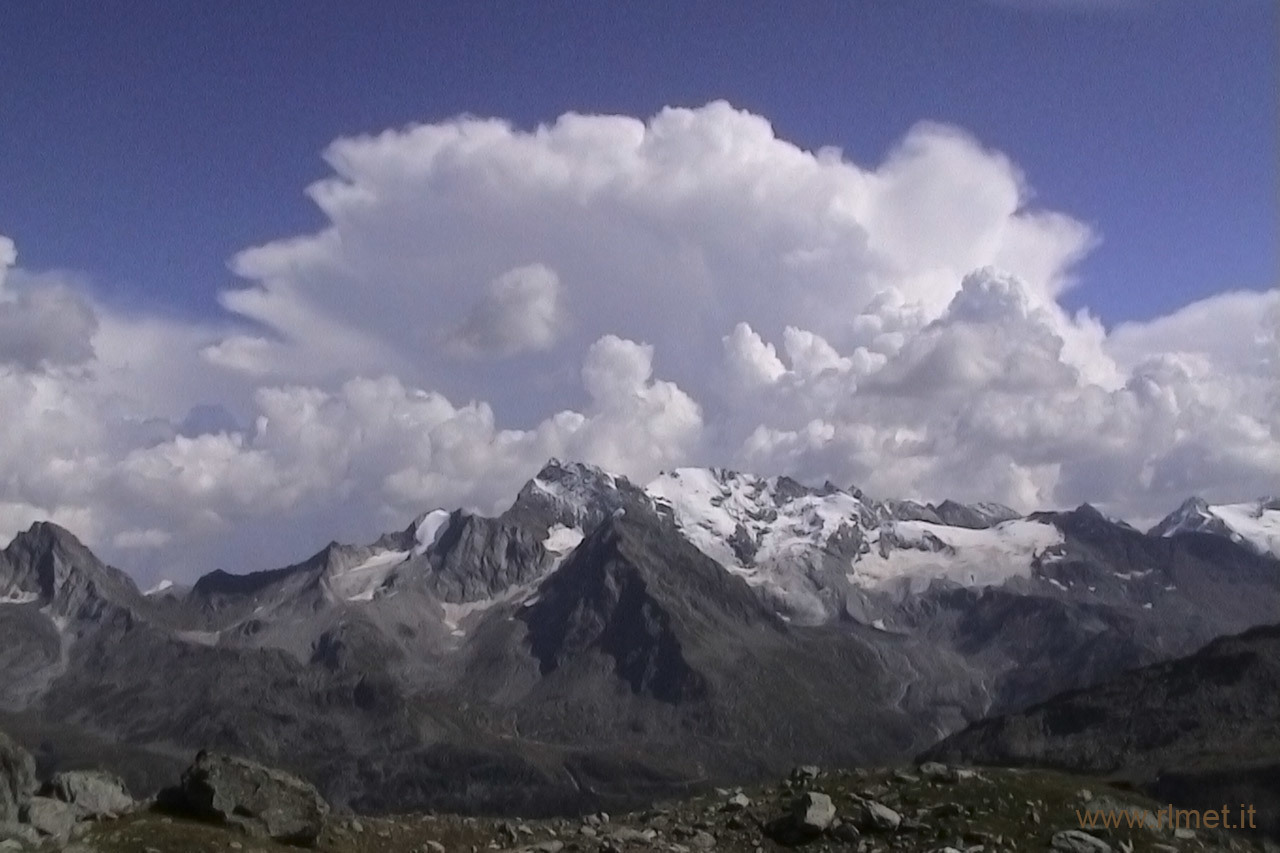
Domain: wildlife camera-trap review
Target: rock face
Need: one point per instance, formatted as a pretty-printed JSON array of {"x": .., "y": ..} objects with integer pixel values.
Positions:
[
  {"x": 17, "y": 778},
  {"x": 1200, "y": 730},
  {"x": 92, "y": 793},
  {"x": 261, "y": 800}
]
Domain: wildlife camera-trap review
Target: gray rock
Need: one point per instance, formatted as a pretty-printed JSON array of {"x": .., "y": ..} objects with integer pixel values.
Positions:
[
  {"x": 49, "y": 817},
  {"x": 17, "y": 778},
  {"x": 846, "y": 832},
  {"x": 627, "y": 834},
  {"x": 19, "y": 833},
  {"x": 702, "y": 840},
  {"x": 937, "y": 772},
  {"x": 549, "y": 846},
  {"x": 435, "y": 847},
  {"x": 879, "y": 817},
  {"x": 261, "y": 800},
  {"x": 805, "y": 773},
  {"x": 93, "y": 793},
  {"x": 736, "y": 803},
  {"x": 1077, "y": 841},
  {"x": 812, "y": 812}
]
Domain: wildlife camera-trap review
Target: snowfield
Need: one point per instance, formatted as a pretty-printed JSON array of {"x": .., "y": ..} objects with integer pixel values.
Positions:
[
  {"x": 1256, "y": 523},
  {"x": 968, "y": 557},
  {"x": 361, "y": 582}
]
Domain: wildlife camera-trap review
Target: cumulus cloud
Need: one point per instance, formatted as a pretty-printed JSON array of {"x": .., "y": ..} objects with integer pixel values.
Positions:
[
  {"x": 521, "y": 310},
  {"x": 41, "y": 326},
  {"x": 686, "y": 289}
]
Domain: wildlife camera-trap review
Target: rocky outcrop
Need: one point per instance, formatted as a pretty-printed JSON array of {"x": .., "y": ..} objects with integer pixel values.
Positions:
[{"x": 260, "y": 800}]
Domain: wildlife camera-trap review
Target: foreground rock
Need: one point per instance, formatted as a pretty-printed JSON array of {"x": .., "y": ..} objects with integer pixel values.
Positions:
[
  {"x": 17, "y": 778},
  {"x": 260, "y": 800},
  {"x": 813, "y": 813},
  {"x": 1000, "y": 811},
  {"x": 1078, "y": 841},
  {"x": 92, "y": 793},
  {"x": 49, "y": 817}
]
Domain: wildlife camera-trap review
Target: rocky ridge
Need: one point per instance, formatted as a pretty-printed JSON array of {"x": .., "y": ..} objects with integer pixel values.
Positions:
[{"x": 600, "y": 644}]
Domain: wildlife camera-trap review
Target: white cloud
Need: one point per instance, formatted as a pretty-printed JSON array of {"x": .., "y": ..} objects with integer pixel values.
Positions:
[
  {"x": 42, "y": 324},
  {"x": 690, "y": 289},
  {"x": 521, "y": 310}
]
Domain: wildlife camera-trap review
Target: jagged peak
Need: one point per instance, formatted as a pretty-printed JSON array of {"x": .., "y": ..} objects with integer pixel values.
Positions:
[{"x": 49, "y": 533}]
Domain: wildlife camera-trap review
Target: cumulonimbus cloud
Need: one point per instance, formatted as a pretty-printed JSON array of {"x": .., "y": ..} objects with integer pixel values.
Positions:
[{"x": 686, "y": 289}]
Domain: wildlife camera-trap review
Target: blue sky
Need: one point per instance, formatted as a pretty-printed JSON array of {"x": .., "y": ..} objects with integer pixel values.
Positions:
[{"x": 144, "y": 143}]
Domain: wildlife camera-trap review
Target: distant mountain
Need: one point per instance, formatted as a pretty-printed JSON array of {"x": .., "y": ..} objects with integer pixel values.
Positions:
[
  {"x": 1255, "y": 525},
  {"x": 1199, "y": 730},
  {"x": 600, "y": 642}
]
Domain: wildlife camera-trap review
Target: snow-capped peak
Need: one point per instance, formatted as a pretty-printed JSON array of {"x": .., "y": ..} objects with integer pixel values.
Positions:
[
  {"x": 160, "y": 587},
  {"x": 1254, "y": 524},
  {"x": 576, "y": 491},
  {"x": 427, "y": 529},
  {"x": 802, "y": 546},
  {"x": 742, "y": 519}
]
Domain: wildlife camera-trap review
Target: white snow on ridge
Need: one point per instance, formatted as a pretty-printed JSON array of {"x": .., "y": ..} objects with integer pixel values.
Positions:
[
  {"x": 428, "y": 529},
  {"x": 1252, "y": 523},
  {"x": 160, "y": 587},
  {"x": 360, "y": 582},
  {"x": 972, "y": 557},
  {"x": 787, "y": 532},
  {"x": 562, "y": 540},
  {"x": 711, "y": 505},
  {"x": 1255, "y": 524}
]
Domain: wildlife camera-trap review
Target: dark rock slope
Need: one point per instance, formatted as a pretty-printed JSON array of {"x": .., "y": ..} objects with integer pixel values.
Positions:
[{"x": 1201, "y": 730}]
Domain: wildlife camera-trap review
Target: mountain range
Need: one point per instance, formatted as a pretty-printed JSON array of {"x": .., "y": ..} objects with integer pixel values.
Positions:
[{"x": 600, "y": 642}]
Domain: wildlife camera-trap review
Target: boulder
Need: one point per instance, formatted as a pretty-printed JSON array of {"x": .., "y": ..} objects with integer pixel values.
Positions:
[
  {"x": 93, "y": 793},
  {"x": 261, "y": 800},
  {"x": 17, "y": 778},
  {"x": 49, "y": 817},
  {"x": 878, "y": 817},
  {"x": 812, "y": 812},
  {"x": 937, "y": 772},
  {"x": 20, "y": 834},
  {"x": 1078, "y": 841}
]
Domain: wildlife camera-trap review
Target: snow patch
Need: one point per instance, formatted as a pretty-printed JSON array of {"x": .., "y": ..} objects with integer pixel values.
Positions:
[
  {"x": 361, "y": 582},
  {"x": 428, "y": 529},
  {"x": 1254, "y": 523},
  {"x": 160, "y": 587},
  {"x": 765, "y": 530},
  {"x": 17, "y": 596},
  {"x": 977, "y": 558},
  {"x": 562, "y": 540},
  {"x": 199, "y": 638}
]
